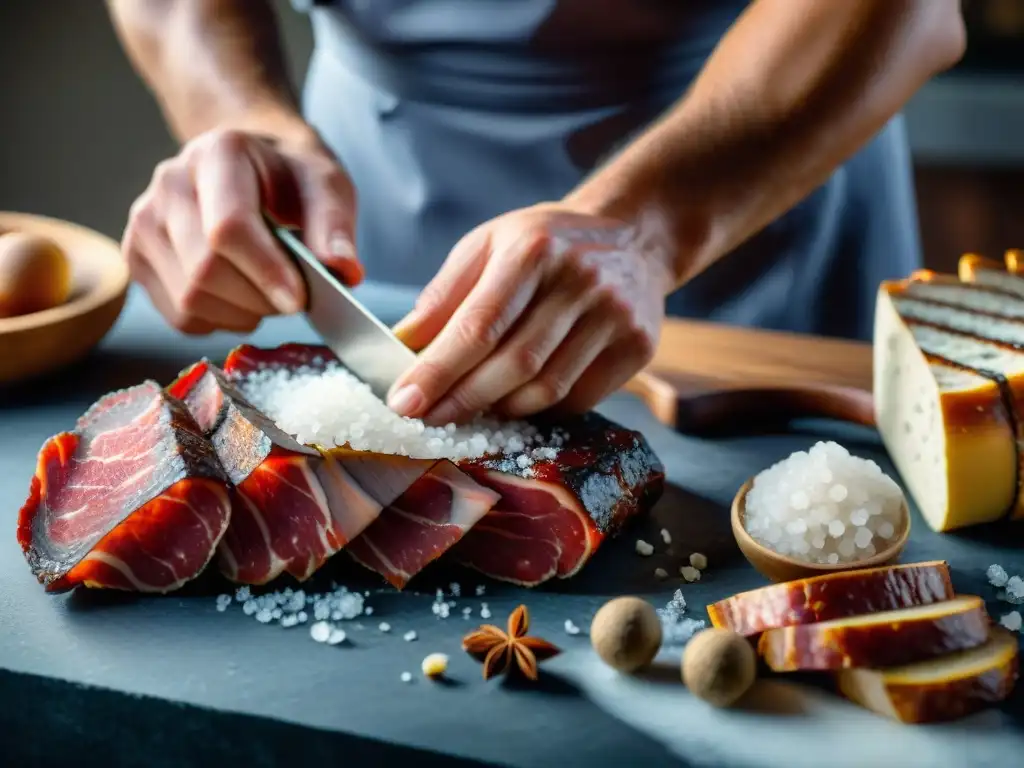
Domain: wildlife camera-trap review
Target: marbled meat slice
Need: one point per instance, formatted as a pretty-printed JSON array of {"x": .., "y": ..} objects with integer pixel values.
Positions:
[
  {"x": 554, "y": 513},
  {"x": 293, "y": 507},
  {"x": 427, "y": 520},
  {"x": 133, "y": 499}
]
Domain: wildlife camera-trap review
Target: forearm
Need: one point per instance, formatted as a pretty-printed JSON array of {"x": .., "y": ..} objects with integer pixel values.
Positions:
[
  {"x": 790, "y": 93},
  {"x": 210, "y": 63}
]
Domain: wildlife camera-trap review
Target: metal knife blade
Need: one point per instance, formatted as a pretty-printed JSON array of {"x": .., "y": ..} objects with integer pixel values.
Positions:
[{"x": 362, "y": 343}]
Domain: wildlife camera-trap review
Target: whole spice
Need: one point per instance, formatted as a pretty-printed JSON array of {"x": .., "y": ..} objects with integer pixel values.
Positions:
[
  {"x": 509, "y": 650},
  {"x": 626, "y": 633},
  {"x": 719, "y": 666}
]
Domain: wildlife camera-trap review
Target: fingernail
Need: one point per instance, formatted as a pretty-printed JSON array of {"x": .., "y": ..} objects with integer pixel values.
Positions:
[
  {"x": 404, "y": 327},
  {"x": 341, "y": 246},
  {"x": 407, "y": 401},
  {"x": 284, "y": 300}
]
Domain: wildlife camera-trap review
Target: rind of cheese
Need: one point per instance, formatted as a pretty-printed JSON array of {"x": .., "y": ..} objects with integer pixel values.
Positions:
[
  {"x": 947, "y": 430},
  {"x": 941, "y": 689}
]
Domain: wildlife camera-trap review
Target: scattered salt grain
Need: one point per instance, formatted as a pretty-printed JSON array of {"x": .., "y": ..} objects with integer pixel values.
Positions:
[
  {"x": 660, "y": 573},
  {"x": 823, "y": 505},
  {"x": 434, "y": 665},
  {"x": 698, "y": 561},
  {"x": 264, "y": 616},
  {"x": 289, "y": 620},
  {"x": 689, "y": 573},
  {"x": 320, "y": 631},
  {"x": 666, "y": 536},
  {"x": 997, "y": 576},
  {"x": 326, "y": 405},
  {"x": 384, "y": 627},
  {"x": 480, "y": 590},
  {"x": 485, "y": 612},
  {"x": 223, "y": 601},
  {"x": 455, "y": 589},
  {"x": 250, "y": 607},
  {"x": 677, "y": 628},
  {"x": 467, "y": 612},
  {"x": 302, "y": 616},
  {"x": 643, "y": 548},
  {"x": 242, "y": 594},
  {"x": 1012, "y": 621},
  {"x": 570, "y": 628},
  {"x": 406, "y": 677},
  {"x": 368, "y": 610},
  {"x": 409, "y": 636},
  {"x": 336, "y": 637}
]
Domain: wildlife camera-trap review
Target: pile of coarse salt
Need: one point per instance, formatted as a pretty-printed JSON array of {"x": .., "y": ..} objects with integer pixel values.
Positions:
[
  {"x": 676, "y": 627},
  {"x": 1011, "y": 591},
  {"x": 324, "y": 404},
  {"x": 824, "y": 506}
]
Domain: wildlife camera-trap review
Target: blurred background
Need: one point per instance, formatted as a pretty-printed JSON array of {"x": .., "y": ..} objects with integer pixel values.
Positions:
[{"x": 79, "y": 134}]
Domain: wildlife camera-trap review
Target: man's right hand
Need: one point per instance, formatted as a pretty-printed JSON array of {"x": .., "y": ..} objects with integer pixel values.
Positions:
[{"x": 197, "y": 242}]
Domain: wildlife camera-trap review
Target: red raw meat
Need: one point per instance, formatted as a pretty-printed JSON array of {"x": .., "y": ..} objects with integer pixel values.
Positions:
[
  {"x": 294, "y": 505},
  {"x": 425, "y": 521},
  {"x": 554, "y": 515},
  {"x": 133, "y": 499}
]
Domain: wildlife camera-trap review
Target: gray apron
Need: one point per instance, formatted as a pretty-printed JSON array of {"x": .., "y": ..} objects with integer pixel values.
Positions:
[{"x": 447, "y": 113}]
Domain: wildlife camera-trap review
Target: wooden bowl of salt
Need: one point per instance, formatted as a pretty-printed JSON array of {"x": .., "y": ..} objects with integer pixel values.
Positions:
[
  {"x": 50, "y": 339},
  {"x": 778, "y": 567}
]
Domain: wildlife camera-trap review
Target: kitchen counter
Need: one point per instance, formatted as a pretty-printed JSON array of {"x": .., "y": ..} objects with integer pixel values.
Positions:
[{"x": 170, "y": 681}]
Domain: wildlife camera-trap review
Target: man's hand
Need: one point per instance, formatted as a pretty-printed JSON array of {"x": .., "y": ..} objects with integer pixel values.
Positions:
[
  {"x": 197, "y": 242},
  {"x": 544, "y": 307}
]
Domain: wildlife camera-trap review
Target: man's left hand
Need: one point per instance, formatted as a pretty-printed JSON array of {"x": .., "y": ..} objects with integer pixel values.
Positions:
[{"x": 544, "y": 307}]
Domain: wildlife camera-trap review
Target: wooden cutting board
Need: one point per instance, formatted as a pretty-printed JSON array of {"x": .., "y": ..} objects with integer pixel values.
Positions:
[{"x": 709, "y": 377}]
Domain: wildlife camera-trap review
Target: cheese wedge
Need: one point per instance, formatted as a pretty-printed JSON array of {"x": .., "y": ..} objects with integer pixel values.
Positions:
[
  {"x": 885, "y": 639},
  {"x": 833, "y": 596},
  {"x": 940, "y": 689},
  {"x": 992, "y": 274},
  {"x": 948, "y": 430}
]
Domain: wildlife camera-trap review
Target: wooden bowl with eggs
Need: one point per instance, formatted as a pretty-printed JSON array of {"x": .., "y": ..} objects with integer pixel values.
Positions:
[{"x": 62, "y": 288}]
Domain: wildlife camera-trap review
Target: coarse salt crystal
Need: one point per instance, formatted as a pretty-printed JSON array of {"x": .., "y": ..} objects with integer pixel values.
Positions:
[
  {"x": 480, "y": 589},
  {"x": 320, "y": 631},
  {"x": 689, "y": 573},
  {"x": 643, "y": 548},
  {"x": 698, "y": 561},
  {"x": 997, "y": 576},
  {"x": 384, "y": 627},
  {"x": 406, "y": 677},
  {"x": 485, "y": 611},
  {"x": 336, "y": 637},
  {"x": 660, "y": 573},
  {"x": 570, "y": 628},
  {"x": 409, "y": 636},
  {"x": 1012, "y": 621},
  {"x": 666, "y": 536}
]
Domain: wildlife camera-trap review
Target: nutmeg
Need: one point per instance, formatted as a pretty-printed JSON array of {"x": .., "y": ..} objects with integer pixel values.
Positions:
[
  {"x": 626, "y": 633},
  {"x": 719, "y": 666}
]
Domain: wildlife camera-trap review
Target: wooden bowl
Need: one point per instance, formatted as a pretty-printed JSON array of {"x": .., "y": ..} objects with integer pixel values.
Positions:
[
  {"x": 778, "y": 568},
  {"x": 42, "y": 342}
]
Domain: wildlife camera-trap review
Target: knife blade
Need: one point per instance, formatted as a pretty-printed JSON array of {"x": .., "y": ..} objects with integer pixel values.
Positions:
[{"x": 363, "y": 344}]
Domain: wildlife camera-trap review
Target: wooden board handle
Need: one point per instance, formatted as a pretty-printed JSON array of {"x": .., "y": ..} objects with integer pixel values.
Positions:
[{"x": 695, "y": 405}]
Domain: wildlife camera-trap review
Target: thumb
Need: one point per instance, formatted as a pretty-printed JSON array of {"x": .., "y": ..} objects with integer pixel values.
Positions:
[{"x": 449, "y": 288}]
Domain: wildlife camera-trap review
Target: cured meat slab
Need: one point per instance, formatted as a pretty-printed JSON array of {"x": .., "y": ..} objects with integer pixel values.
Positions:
[
  {"x": 833, "y": 596},
  {"x": 554, "y": 513},
  {"x": 133, "y": 499},
  {"x": 882, "y": 639},
  {"x": 937, "y": 690}
]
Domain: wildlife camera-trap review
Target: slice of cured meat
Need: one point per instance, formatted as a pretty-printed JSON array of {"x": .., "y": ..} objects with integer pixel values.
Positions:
[
  {"x": 293, "y": 506},
  {"x": 425, "y": 521},
  {"x": 557, "y": 507},
  {"x": 133, "y": 499}
]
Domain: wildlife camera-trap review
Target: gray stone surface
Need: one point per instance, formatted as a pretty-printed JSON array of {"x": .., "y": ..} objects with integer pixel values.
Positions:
[{"x": 171, "y": 681}]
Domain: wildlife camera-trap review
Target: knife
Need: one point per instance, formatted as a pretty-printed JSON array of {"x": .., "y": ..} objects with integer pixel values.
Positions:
[{"x": 363, "y": 344}]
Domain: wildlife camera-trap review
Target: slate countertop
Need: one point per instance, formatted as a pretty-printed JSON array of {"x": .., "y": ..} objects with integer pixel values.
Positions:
[{"x": 170, "y": 681}]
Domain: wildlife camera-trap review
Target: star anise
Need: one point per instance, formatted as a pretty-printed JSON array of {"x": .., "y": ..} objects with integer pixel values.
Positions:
[{"x": 509, "y": 650}]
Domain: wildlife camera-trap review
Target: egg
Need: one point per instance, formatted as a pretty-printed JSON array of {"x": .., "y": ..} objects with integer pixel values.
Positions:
[
  {"x": 626, "y": 633},
  {"x": 35, "y": 274}
]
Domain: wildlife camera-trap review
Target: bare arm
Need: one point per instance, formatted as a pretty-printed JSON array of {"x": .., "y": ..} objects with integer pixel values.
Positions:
[
  {"x": 211, "y": 64},
  {"x": 791, "y": 92}
]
